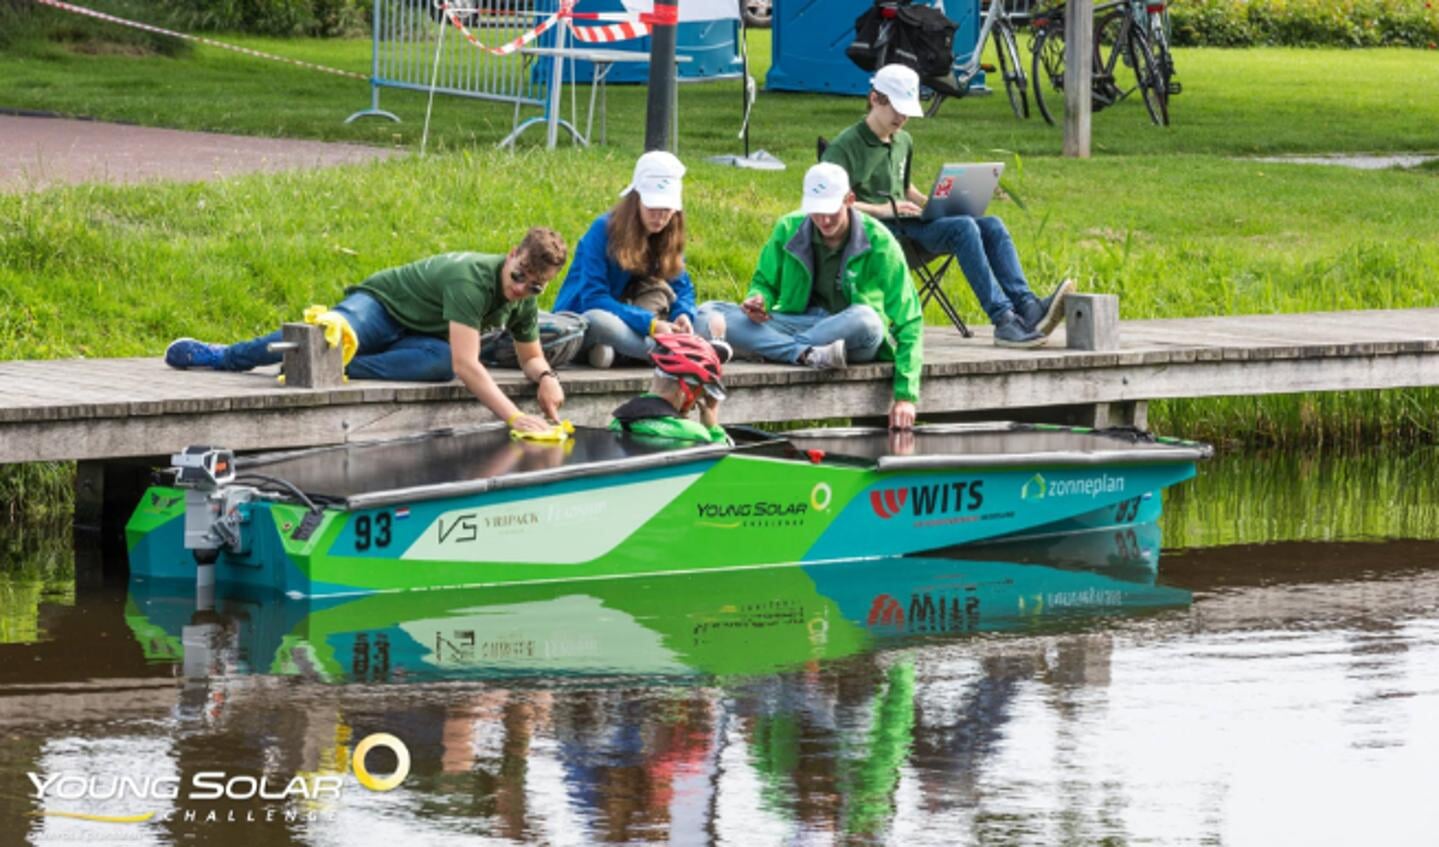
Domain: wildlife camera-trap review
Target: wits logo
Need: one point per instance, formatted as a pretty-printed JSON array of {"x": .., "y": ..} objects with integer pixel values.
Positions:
[
  {"x": 885, "y": 610},
  {"x": 924, "y": 500},
  {"x": 888, "y": 502}
]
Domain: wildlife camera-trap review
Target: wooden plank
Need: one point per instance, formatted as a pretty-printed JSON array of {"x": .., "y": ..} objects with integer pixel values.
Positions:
[
  {"x": 836, "y": 397},
  {"x": 142, "y": 399}
]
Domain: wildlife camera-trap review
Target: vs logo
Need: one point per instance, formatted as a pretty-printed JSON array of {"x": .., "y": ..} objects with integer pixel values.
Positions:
[{"x": 887, "y": 503}]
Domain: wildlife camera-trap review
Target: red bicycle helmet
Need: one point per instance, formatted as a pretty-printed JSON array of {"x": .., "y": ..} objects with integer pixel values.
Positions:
[{"x": 692, "y": 361}]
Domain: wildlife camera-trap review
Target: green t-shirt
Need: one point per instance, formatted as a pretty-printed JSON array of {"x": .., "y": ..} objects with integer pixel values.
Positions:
[
  {"x": 876, "y": 169},
  {"x": 465, "y": 288},
  {"x": 828, "y": 264}
]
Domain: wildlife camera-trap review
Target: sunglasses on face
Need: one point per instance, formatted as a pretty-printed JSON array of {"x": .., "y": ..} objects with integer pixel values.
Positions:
[{"x": 530, "y": 286}]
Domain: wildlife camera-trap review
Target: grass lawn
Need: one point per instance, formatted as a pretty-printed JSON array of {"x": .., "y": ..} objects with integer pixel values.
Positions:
[{"x": 1176, "y": 220}]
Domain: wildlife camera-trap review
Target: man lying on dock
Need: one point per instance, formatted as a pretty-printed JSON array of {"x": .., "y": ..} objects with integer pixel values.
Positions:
[
  {"x": 687, "y": 374},
  {"x": 422, "y": 322},
  {"x": 831, "y": 288}
]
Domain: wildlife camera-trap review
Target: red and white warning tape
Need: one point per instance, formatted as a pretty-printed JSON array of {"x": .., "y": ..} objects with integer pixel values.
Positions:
[
  {"x": 511, "y": 46},
  {"x": 625, "y": 26},
  {"x": 610, "y": 32},
  {"x": 81, "y": 10}
]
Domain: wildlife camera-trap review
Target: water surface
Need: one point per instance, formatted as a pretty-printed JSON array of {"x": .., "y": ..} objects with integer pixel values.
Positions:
[{"x": 1270, "y": 677}]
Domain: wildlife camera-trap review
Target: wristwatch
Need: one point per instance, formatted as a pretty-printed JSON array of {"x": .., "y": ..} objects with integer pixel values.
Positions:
[{"x": 545, "y": 373}]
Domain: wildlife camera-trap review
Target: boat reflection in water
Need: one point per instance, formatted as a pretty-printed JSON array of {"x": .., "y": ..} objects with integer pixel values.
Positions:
[
  {"x": 734, "y": 622},
  {"x": 758, "y": 707}
]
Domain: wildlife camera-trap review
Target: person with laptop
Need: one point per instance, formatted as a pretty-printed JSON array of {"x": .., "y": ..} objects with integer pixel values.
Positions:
[
  {"x": 831, "y": 288},
  {"x": 876, "y": 153}
]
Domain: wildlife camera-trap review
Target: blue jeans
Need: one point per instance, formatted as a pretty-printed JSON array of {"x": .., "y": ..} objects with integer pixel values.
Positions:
[
  {"x": 607, "y": 328},
  {"x": 985, "y": 253},
  {"x": 387, "y": 349},
  {"x": 785, "y": 336}
]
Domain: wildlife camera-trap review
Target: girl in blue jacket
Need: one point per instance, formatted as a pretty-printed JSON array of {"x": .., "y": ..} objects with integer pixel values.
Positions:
[{"x": 628, "y": 277}]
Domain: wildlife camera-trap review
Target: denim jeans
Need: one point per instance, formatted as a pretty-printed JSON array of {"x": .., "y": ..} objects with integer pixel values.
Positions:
[
  {"x": 784, "y": 337},
  {"x": 607, "y": 328},
  {"x": 985, "y": 253},
  {"x": 387, "y": 350}
]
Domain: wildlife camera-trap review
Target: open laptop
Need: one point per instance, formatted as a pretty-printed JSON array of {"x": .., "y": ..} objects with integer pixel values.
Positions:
[{"x": 962, "y": 189}]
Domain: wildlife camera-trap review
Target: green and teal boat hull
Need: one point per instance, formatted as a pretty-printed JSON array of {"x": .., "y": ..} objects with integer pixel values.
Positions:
[{"x": 802, "y": 500}]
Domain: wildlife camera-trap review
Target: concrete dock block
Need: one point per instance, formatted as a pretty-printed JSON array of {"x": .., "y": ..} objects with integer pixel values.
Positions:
[
  {"x": 311, "y": 363},
  {"x": 1091, "y": 321}
]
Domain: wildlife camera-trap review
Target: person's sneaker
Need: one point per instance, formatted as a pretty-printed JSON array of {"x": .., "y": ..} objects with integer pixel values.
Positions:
[
  {"x": 827, "y": 358},
  {"x": 186, "y": 353},
  {"x": 722, "y": 349},
  {"x": 1011, "y": 332},
  {"x": 1043, "y": 316},
  {"x": 602, "y": 356}
]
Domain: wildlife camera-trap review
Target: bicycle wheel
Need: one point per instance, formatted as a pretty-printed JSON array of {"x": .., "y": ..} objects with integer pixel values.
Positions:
[
  {"x": 1012, "y": 69},
  {"x": 1047, "y": 69},
  {"x": 1159, "y": 42},
  {"x": 1152, "y": 86},
  {"x": 1111, "y": 34}
]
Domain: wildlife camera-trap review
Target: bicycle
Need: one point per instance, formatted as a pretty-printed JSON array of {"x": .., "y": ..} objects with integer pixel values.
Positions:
[
  {"x": 1159, "y": 39},
  {"x": 1121, "y": 35},
  {"x": 999, "y": 25}
]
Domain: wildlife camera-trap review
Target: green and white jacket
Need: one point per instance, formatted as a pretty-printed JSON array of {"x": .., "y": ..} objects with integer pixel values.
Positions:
[{"x": 875, "y": 274}]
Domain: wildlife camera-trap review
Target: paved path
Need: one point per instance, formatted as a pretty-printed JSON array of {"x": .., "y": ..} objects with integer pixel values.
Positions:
[{"x": 41, "y": 152}]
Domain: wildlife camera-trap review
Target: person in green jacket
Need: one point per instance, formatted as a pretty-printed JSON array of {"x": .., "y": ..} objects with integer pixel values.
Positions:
[
  {"x": 831, "y": 288},
  {"x": 688, "y": 373}
]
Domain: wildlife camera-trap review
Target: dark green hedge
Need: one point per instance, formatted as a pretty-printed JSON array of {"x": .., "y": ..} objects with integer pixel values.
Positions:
[
  {"x": 273, "y": 17},
  {"x": 1305, "y": 23},
  {"x": 23, "y": 19}
]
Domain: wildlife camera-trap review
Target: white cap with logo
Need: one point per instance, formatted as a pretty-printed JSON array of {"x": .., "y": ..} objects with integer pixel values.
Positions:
[
  {"x": 658, "y": 178},
  {"x": 825, "y": 187},
  {"x": 901, "y": 85}
]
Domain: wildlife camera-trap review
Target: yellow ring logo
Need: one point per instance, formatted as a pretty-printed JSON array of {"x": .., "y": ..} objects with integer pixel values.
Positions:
[
  {"x": 402, "y": 761},
  {"x": 821, "y": 496}
]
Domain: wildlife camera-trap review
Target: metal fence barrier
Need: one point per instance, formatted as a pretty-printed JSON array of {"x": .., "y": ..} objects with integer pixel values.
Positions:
[{"x": 411, "y": 52}]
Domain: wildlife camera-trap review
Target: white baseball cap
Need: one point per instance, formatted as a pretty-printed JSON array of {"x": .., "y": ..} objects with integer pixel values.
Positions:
[
  {"x": 658, "y": 178},
  {"x": 901, "y": 85},
  {"x": 825, "y": 187}
]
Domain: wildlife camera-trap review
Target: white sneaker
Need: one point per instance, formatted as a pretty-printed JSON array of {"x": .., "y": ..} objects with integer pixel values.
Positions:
[
  {"x": 827, "y": 358},
  {"x": 602, "y": 356}
]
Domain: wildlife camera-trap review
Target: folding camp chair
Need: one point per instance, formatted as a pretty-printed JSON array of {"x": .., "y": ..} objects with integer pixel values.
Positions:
[{"x": 920, "y": 261}]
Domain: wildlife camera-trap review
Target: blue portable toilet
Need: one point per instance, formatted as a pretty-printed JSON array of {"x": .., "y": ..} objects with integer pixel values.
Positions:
[
  {"x": 712, "y": 48},
  {"x": 810, "y": 37}
]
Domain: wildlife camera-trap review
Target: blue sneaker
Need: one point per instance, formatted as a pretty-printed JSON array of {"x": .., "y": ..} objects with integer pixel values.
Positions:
[
  {"x": 188, "y": 353},
  {"x": 1010, "y": 331},
  {"x": 1043, "y": 316}
]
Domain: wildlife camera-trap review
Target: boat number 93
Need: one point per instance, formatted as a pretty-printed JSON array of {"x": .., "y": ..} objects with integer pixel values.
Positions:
[
  {"x": 376, "y": 532},
  {"x": 1128, "y": 510}
]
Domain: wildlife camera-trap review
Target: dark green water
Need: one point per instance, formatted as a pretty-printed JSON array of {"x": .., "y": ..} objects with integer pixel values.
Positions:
[{"x": 1270, "y": 677}]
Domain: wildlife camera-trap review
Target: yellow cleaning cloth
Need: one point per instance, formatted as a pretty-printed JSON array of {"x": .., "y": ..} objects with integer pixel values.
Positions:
[
  {"x": 556, "y": 434},
  {"x": 338, "y": 332}
]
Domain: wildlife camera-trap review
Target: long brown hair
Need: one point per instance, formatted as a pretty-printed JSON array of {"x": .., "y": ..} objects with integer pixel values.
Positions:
[{"x": 631, "y": 245}]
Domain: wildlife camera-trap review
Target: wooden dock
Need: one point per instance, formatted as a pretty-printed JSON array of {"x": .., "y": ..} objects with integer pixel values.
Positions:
[{"x": 106, "y": 409}]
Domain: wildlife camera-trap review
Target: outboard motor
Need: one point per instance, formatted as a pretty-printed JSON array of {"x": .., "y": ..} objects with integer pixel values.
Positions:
[{"x": 213, "y": 521}]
